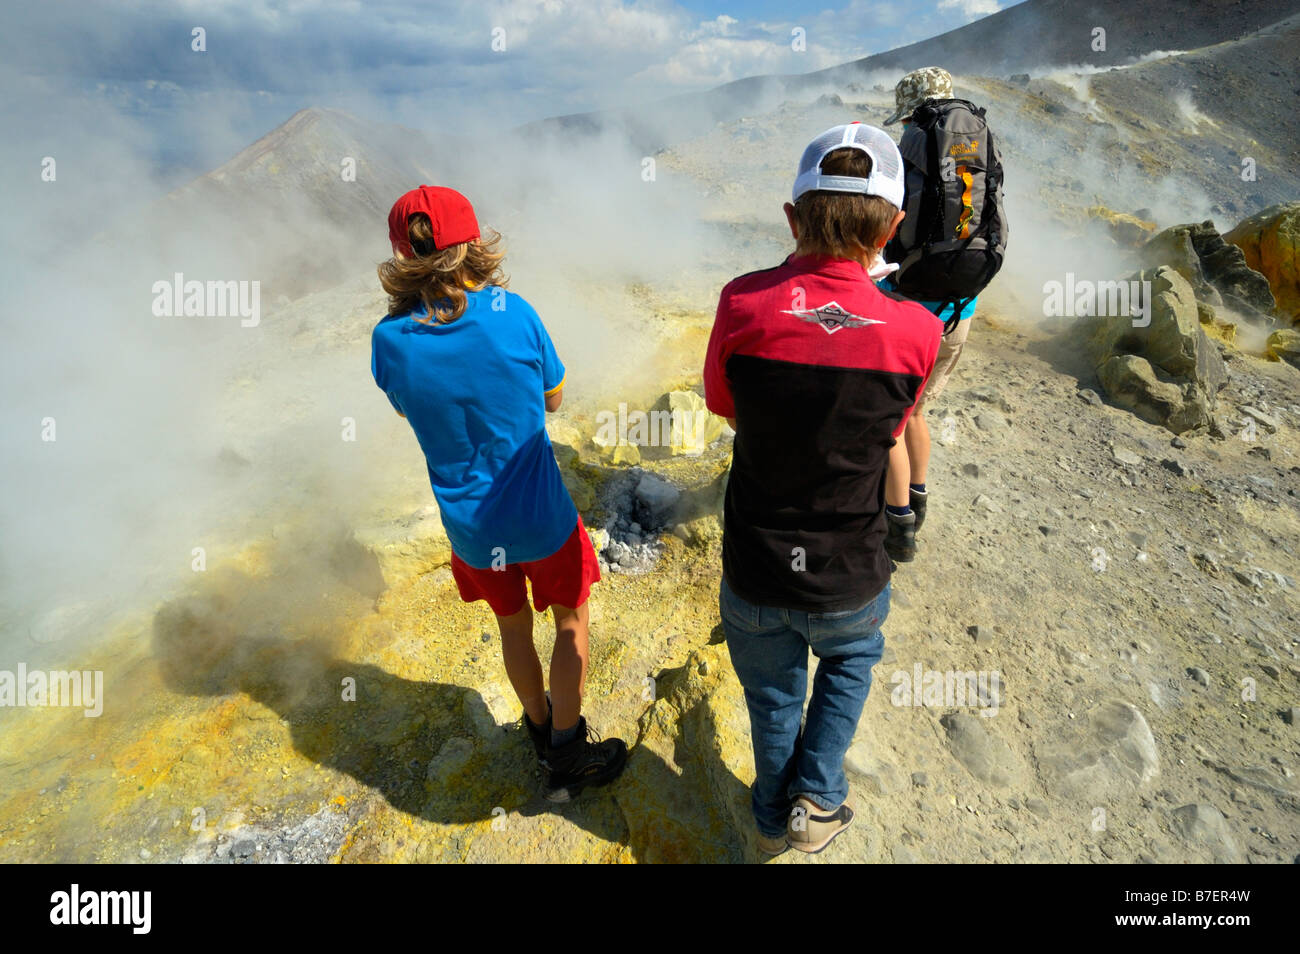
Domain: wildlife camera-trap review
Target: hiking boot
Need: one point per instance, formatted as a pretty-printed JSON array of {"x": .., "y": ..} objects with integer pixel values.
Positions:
[
  {"x": 916, "y": 500},
  {"x": 540, "y": 734},
  {"x": 586, "y": 761},
  {"x": 811, "y": 828},
  {"x": 900, "y": 537}
]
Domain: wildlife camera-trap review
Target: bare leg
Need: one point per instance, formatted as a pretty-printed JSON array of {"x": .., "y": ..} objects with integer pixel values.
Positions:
[
  {"x": 522, "y": 665},
  {"x": 896, "y": 477},
  {"x": 568, "y": 665},
  {"x": 917, "y": 439}
]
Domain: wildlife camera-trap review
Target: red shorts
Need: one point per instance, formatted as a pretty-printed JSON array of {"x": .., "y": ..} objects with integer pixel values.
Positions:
[{"x": 563, "y": 578}]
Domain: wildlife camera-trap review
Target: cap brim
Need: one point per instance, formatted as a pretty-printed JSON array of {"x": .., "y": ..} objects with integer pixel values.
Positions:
[{"x": 898, "y": 114}]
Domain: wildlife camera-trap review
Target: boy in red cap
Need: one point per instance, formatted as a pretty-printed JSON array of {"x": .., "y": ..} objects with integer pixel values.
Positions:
[{"x": 471, "y": 367}]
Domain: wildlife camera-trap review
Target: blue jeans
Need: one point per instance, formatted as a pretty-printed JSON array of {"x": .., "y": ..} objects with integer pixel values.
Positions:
[{"x": 769, "y": 650}]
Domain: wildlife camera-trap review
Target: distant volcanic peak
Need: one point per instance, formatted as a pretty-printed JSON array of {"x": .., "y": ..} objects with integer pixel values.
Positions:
[
  {"x": 305, "y": 157},
  {"x": 299, "y": 139}
]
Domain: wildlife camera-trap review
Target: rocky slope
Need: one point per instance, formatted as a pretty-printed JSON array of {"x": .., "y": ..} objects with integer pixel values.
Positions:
[{"x": 1137, "y": 599}]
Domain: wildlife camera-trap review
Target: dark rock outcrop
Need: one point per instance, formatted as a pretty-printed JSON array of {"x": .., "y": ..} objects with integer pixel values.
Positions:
[{"x": 1199, "y": 253}]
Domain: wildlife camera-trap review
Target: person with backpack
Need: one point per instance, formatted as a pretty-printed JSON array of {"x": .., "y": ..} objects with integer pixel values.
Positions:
[
  {"x": 817, "y": 369},
  {"x": 950, "y": 245}
]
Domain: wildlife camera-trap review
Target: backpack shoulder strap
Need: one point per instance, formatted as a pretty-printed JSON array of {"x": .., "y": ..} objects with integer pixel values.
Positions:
[
  {"x": 932, "y": 198},
  {"x": 958, "y": 306}
]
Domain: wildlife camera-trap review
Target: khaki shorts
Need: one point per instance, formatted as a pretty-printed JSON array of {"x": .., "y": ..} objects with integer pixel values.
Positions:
[{"x": 949, "y": 351}]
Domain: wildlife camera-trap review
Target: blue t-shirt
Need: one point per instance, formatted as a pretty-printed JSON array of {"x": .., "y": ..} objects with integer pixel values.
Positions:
[
  {"x": 473, "y": 391},
  {"x": 887, "y": 283}
]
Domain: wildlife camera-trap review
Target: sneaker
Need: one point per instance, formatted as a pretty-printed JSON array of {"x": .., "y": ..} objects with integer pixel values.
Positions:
[
  {"x": 916, "y": 501},
  {"x": 900, "y": 537},
  {"x": 773, "y": 846},
  {"x": 811, "y": 828},
  {"x": 586, "y": 761}
]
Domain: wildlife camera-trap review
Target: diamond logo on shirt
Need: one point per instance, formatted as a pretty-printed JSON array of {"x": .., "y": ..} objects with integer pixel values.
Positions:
[{"x": 832, "y": 317}]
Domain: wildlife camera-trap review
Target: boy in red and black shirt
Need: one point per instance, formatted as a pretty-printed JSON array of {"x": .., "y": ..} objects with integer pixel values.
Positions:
[{"x": 818, "y": 370}]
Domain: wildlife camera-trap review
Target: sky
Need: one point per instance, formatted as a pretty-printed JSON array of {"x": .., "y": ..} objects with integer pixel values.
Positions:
[{"x": 129, "y": 68}]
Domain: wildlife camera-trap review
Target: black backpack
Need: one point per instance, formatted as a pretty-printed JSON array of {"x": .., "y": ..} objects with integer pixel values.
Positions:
[{"x": 954, "y": 237}]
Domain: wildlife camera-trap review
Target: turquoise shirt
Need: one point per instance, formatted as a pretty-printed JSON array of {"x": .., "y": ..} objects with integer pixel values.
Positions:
[{"x": 887, "y": 283}]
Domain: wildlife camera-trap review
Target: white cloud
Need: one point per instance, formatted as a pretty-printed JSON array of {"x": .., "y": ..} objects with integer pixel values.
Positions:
[
  {"x": 971, "y": 9},
  {"x": 636, "y": 49},
  {"x": 714, "y": 53},
  {"x": 404, "y": 62},
  {"x": 601, "y": 26}
]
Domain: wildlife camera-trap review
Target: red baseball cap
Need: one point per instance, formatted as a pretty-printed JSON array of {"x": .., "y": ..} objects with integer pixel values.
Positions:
[{"x": 449, "y": 212}]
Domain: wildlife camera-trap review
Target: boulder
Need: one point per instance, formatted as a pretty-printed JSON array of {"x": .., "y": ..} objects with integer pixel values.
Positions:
[
  {"x": 876, "y": 776},
  {"x": 986, "y": 756},
  {"x": 701, "y": 532},
  {"x": 1169, "y": 341},
  {"x": 1128, "y": 231},
  {"x": 564, "y": 437},
  {"x": 393, "y": 550},
  {"x": 1284, "y": 345},
  {"x": 580, "y": 488},
  {"x": 1211, "y": 372},
  {"x": 1131, "y": 383},
  {"x": 1270, "y": 243},
  {"x": 682, "y": 425},
  {"x": 1217, "y": 264},
  {"x": 1167, "y": 372},
  {"x": 628, "y": 454},
  {"x": 1108, "y": 753},
  {"x": 1263, "y": 419},
  {"x": 685, "y": 797},
  {"x": 656, "y": 499},
  {"x": 565, "y": 443},
  {"x": 1173, "y": 339},
  {"x": 1173, "y": 248},
  {"x": 616, "y": 452},
  {"x": 1213, "y": 325},
  {"x": 1205, "y": 829}
]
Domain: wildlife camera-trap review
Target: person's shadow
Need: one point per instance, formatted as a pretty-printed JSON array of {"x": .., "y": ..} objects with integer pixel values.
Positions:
[{"x": 431, "y": 749}]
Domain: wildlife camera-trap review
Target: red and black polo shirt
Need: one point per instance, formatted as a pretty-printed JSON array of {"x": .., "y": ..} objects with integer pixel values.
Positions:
[{"x": 821, "y": 370}]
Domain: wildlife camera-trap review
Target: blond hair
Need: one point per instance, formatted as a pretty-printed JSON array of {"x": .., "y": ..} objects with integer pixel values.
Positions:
[
  {"x": 843, "y": 224},
  {"x": 438, "y": 278}
]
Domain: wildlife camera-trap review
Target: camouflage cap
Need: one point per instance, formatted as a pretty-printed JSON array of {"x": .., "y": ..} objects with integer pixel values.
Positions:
[{"x": 930, "y": 82}]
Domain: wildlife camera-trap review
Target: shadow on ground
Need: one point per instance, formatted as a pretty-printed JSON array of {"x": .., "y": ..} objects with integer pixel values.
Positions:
[{"x": 431, "y": 749}]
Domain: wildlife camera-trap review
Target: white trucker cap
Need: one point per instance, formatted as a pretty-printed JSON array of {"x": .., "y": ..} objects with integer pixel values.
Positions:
[{"x": 886, "y": 179}]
